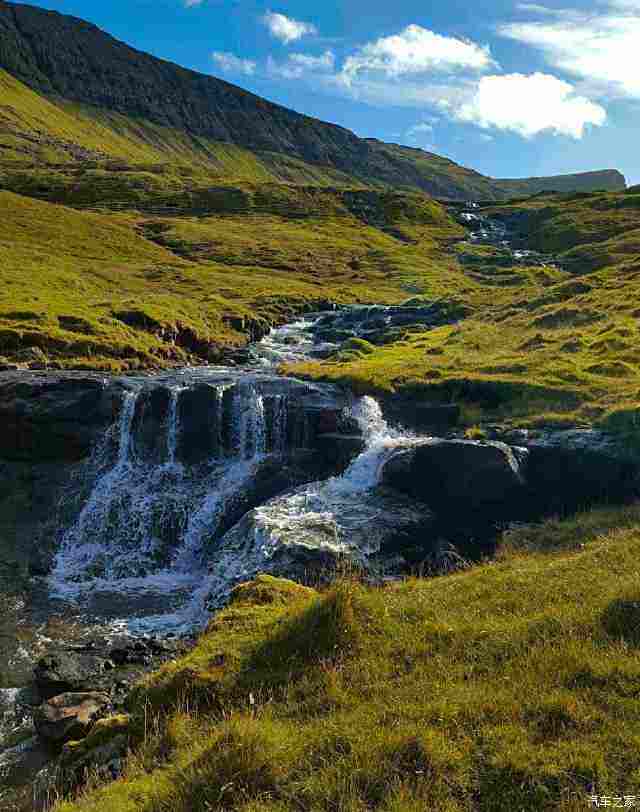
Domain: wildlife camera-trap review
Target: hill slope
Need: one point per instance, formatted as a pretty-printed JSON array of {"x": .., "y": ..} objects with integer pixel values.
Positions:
[
  {"x": 180, "y": 113},
  {"x": 511, "y": 686}
]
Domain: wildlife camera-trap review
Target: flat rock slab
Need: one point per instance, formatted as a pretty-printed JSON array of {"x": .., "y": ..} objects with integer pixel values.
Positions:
[{"x": 70, "y": 716}]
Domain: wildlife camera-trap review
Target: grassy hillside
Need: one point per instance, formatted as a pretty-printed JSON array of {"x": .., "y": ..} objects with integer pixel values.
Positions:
[
  {"x": 548, "y": 345},
  {"x": 439, "y": 175},
  {"x": 41, "y": 138},
  {"x": 143, "y": 110},
  {"x": 122, "y": 291},
  {"x": 509, "y": 686}
]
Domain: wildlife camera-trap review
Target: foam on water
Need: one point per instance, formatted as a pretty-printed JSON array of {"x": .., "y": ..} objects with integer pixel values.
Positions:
[
  {"x": 327, "y": 515},
  {"x": 145, "y": 540},
  {"x": 145, "y": 526}
]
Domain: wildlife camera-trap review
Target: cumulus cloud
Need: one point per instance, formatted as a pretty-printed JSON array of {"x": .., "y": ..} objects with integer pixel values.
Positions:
[
  {"x": 446, "y": 76},
  {"x": 416, "y": 50},
  {"x": 529, "y": 105},
  {"x": 286, "y": 29},
  {"x": 599, "y": 48},
  {"x": 296, "y": 66},
  {"x": 421, "y": 127},
  {"x": 230, "y": 63}
]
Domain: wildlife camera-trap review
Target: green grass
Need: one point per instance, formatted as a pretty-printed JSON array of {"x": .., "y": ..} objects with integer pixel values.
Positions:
[
  {"x": 206, "y": 241},
  {"x": 513, "y": 685},
  {"x": 538, "y": 341},
  {"x": 68, "y": 276}
]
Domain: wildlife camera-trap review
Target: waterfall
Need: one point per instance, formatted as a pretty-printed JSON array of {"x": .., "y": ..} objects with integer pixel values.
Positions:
[
  {"x": 338, "y": 515},
  {"x": 145, "y": 526},
  {"x": 170, "y": 523},
  {"x": 173, "y": 427}
]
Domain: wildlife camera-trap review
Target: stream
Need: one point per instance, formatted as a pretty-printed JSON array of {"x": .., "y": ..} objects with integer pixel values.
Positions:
[{"x": 205, "y": 478}]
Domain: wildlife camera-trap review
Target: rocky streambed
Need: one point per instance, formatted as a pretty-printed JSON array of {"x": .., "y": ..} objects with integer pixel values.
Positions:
[{"x": 132, "y": 506}]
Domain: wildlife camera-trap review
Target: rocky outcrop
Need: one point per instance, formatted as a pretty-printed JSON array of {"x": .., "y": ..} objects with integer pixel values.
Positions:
[
  {"x": 70, "y": 716},
  {"x": 49, "y": 423},
  {"x": 54, "y": 416},
  {"x": 574, "y": 469},
  {"x": 355, "y": 331},
  {"x": 64, "y": 672},
  {"x": 459, "y": 477},
  {"x": 308, "y": 533}
]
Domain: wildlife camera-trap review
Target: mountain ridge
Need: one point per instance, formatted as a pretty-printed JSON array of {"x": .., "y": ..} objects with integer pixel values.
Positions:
[{"x": 68, "y": 60}]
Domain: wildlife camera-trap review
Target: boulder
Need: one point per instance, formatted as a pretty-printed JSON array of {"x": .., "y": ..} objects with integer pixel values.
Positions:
[
  {"x": 458, "y": 477},
  {"x": 69, "y": 716},
  {"x": 340, "y": 449},
  {"x": 63, "y": 672},
  {"x": 306, "y": 533},
  {"x": 573, "y": 469},
  {"x": 55, "y": 416},
  {"x": 102, "y": 750}
]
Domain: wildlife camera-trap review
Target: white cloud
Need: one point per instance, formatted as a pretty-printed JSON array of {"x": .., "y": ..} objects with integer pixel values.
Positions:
[
  {"x": 530, "y": 105},
  {"x": 535, "y": 8},
  {"x": 285, "y": 28},
  {"x": 416, "y": 50},
  {"x": 298, "y": 65},
  {"x": 601, "y": 48},
  {"x": 419, "y": 129},
  {"x": 230, "y": 63}
]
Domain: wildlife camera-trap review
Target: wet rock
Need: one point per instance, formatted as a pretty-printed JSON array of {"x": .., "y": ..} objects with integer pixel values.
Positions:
[
  {"x": 63, "y": 672},
  {"x": 142, "y": 651},
  {"x": 340, "y": 449},
  {"x": 573, "y": 469},
  {"x": 69, "y": 716},
  {"x": 457, "y": 477},
  {"x": 306, "y": 533},
  {"x": 376, "y": 322}
]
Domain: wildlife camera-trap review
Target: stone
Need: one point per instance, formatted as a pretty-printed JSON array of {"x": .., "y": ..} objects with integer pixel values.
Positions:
[
  {"x": 572, "y": 469},
  {"x": 457, "y": 477},
  {"x": 54, "y": 417},
  {"x": 340, "y": 449},
  {"x": 106, "y": 743},
  {"x": 63, "y": 672},
  {"x": 306, "y": 533},
  {"x": 69, "y": 716}
]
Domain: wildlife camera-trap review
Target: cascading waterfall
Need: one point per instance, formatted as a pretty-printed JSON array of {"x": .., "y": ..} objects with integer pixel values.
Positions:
[
  {"x": 145, "y": 525},
  {"x": 152, "y": 546},
  {"x": 332, "y": 515},
  {"x": 172, "y": 432}
]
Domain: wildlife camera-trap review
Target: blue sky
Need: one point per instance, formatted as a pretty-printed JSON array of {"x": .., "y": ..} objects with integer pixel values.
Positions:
[{"x": 508, "y": 88}]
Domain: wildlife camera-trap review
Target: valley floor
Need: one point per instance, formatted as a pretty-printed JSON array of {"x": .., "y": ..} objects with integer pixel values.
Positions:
[{"x": 539, "y": 344}]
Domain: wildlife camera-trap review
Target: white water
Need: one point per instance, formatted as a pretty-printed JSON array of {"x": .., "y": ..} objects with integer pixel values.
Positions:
[
  {"x": 331, "y": 515},
  {"x": 143, "y": 546},
  {"x": 141, "y": 537},
  {"x": 289, "y": 344}
]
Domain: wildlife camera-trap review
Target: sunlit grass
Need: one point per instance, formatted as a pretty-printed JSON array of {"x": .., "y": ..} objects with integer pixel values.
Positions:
[{"x": 509, "y": 686}]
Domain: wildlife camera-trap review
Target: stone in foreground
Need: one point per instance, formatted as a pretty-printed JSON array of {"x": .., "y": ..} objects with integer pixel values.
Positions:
[{"x": 69, "y": 716}]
